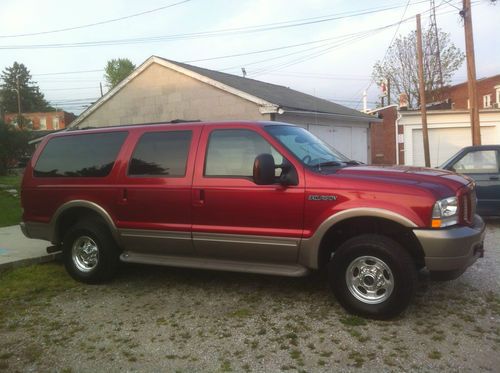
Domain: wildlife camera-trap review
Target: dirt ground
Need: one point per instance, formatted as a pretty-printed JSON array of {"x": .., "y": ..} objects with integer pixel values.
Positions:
[{"x": 163, "y": 319}]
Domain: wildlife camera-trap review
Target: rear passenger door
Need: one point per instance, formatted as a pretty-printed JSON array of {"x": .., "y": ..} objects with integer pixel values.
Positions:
[
  {"x": 154, "y": 208},
  {"x": 234, "y": 218}
]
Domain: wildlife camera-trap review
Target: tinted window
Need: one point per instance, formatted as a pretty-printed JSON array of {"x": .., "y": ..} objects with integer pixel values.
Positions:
[
  {"x": 87, "y": 155},
  {"x": 161, "y": 154},
  {"x": 478, "y": 162},
  {"x": 233, "y": 152}
]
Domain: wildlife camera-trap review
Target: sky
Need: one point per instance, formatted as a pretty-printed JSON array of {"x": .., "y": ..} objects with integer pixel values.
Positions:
[{"x": 326, "y": 48}]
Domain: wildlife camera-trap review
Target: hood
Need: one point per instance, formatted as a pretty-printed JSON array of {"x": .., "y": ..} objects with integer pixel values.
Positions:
[{"x": 441, "y": 181}]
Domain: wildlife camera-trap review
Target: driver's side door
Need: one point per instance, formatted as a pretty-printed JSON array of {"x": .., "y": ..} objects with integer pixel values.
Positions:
[
  {"x": 234, "y": 218},
  {"x": 483, "y": 167}
]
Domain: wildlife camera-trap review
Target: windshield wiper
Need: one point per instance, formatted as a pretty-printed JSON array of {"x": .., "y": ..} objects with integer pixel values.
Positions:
[
  {"x": 354, "y": 163},
  {"x": 327, "y": 164}
]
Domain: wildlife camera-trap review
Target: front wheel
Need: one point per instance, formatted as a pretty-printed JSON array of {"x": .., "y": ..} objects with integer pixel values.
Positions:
[
  {"x": 373, "y": 276},
  {"x": 90, "y": 253}
]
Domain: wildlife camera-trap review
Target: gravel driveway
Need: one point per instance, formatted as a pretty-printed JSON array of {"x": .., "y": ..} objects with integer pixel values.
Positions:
[{"x": 165, "y": 319}]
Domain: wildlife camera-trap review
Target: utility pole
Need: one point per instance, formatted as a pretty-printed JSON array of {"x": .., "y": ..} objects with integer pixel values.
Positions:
[
  {"x": 18, "y": 97},
  {"x": 434, "y": 27},
  {"x": 100, "y": 86},
  {"x": 471, "y": 73},
  {"x": 421, "y": 86}
]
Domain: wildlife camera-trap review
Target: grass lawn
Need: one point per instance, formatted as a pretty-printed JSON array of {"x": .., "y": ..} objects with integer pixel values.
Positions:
[{"x": 10, "y": 206}]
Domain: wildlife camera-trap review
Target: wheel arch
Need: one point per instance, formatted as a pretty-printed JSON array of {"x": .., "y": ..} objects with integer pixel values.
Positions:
[
  {"x": 70, "y": 212},
  {"x": 315, "y": 251}
]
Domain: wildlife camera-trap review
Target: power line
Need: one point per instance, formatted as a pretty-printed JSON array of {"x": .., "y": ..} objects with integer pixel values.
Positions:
[
  {"x": 389, "y": 47},
  {"x": 205, "y": 34},
  {"x": 96, "y": 23},
  {"x": 70, "y": 89},
  {"x": 70, "y": 72}
]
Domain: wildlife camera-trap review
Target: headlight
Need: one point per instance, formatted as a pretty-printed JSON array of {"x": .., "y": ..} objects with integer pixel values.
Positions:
[{"x": 445, "y": 213}]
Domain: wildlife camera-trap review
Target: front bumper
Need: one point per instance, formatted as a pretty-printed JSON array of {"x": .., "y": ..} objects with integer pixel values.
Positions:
[{"x": 452, "y": 249}]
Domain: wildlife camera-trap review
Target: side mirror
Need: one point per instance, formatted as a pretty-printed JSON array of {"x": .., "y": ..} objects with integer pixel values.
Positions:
[
  {"x": 263, "y": 169},
  {"x": 289, "y": 174}
]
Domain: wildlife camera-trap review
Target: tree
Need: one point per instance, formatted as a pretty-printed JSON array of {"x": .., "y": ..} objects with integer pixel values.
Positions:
[
  {"x": 117, "y": 70},
  {"x": 13, "y": 145},
  {"x": 400, "y": 65},
  {"x": 31, "y": 98}
]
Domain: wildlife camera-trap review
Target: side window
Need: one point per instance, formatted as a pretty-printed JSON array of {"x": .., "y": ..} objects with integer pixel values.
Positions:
[
  {"x": 478, "y": 162},
  {"x": 87, "y": 155},
  {"x": 232, "y": 153},
  {"x": 161, "y": 154}
]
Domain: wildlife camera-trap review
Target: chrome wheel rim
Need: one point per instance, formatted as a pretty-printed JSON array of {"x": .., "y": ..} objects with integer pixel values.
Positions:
[
  {"x": 369, "y": 280},
  {"x": 85, "y": 254}
]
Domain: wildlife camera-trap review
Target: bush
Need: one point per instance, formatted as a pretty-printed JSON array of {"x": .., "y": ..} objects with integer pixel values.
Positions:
[{"x": 13, "y": 145}]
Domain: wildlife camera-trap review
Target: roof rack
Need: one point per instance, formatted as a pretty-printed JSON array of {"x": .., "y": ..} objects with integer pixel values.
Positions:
[{"x": 175, "y": 121}]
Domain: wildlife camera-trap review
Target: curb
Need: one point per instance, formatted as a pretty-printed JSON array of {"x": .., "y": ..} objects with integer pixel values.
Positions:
[{"x": 29, "y": 261}]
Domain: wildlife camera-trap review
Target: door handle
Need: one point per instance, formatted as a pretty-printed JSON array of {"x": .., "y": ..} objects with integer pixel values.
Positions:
[
  {"x": 124, "y": 198},
  {"x": 198, "y": 197}
]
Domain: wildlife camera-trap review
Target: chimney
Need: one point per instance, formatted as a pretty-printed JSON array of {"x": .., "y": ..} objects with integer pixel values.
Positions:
[{"x": 403, "y": 101}]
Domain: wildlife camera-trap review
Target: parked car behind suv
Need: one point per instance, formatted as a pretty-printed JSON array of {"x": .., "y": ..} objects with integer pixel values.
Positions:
[
  {"x": 262, "y": 197},
  {"x": 482, "y": 164}
]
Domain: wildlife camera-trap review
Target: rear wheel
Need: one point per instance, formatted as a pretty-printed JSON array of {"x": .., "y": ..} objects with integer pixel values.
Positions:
[
  {"x": 372, "y": 275},
  {"x": 90, "y": 253}
]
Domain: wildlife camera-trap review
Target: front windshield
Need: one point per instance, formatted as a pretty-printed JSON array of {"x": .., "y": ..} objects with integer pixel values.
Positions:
[{"x": 307, "y": 147}]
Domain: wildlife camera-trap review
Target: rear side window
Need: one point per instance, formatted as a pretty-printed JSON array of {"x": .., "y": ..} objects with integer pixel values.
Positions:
[
  {"x": 162, "y": 154},
  {"x": 87, "y": 155}
]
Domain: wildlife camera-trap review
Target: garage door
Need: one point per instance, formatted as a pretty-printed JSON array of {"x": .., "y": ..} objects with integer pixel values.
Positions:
[
  {"x": 350, "y": 141},
  {"x": 444, "y": 142}
]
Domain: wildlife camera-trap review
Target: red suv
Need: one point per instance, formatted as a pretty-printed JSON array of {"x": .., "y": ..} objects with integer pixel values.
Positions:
[{"x": 261, "y": 197}]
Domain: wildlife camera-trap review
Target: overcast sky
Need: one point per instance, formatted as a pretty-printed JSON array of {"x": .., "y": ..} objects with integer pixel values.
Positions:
[{"x": 331, "y": 63}]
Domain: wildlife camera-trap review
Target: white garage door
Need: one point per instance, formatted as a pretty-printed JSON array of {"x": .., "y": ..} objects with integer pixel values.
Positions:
[
  {"x": 444, "y": 142},
  {"x": 350, "y": 141}
]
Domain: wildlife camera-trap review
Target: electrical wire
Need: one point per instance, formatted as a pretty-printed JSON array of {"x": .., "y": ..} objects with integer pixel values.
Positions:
[
  {"x": 207, "y": 34},
  {"x": 96, "y": 23}
]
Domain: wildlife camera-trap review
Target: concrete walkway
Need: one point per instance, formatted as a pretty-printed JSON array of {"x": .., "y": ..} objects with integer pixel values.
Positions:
[{"x": 17, "y": 250}]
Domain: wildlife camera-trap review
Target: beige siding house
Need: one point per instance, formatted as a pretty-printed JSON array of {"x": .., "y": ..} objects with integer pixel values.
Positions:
[{"x": 161, "y": 90}]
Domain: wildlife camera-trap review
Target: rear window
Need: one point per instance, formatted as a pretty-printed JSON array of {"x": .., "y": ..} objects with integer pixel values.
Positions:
[
  {"x": 161, "y": 154},
  {"x": 87, "y": 155}
]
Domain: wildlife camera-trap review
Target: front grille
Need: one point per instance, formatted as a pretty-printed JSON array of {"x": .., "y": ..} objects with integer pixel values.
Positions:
[{"x": 468, "y": 202}]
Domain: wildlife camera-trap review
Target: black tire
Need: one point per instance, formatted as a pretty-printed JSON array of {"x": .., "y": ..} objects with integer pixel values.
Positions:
[
  {"x": 362, "y": 270},
  {"x": 100, "y": 262}
]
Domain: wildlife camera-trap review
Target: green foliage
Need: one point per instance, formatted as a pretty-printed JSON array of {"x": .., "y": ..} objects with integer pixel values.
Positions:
[
  {"x": 401, "y": 68},
  {"x": 32, "y": 99},
  {"x": 117, "y": 70},
  {"x": 35, "y": 281},
  {"x": 13, "y": 144},
  {"x": 10, "y": 206}
]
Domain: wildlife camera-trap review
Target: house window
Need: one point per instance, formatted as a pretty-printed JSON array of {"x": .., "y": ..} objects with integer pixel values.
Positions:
[
  {"x": 498, "y": 96},
  {"x": 486, "y": 101},
  {"x": 55, "y": 123},
  {"x": 43, "y": 123}
]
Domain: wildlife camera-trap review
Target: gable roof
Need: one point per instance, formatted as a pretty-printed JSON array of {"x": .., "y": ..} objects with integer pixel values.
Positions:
[
  {"x": 271, "y": 98},
  {"x": 281, "y": 96}
]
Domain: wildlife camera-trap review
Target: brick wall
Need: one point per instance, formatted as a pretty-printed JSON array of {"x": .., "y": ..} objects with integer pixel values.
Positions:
[
  {"x": 459, "y": 93},
  {"x": 52, "y": 120},
  {"x": 383, "y": 137}
]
